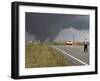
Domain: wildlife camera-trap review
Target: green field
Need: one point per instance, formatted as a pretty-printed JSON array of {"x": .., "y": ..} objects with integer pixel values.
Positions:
[{"x": 41, "y": 55}]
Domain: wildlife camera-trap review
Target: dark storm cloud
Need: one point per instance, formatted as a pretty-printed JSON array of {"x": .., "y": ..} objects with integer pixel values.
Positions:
[{"x": 43, "y": 25}]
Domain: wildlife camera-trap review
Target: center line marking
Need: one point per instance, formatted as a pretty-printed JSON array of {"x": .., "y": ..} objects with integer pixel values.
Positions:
[{"x": 69, "y": 55}]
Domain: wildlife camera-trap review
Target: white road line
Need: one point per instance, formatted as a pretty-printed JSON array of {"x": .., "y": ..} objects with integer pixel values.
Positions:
[{"x": 69, "y": 55}]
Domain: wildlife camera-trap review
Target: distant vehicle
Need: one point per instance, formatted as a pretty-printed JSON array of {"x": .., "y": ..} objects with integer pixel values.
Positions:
[{"x": 69, "y": 43}]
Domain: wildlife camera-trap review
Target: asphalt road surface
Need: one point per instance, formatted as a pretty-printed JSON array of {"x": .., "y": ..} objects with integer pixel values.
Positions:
[{"x": 74, "y": 53}]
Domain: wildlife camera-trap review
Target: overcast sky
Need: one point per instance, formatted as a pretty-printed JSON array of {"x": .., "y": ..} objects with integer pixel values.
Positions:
[{"x": 56, "y": 27}]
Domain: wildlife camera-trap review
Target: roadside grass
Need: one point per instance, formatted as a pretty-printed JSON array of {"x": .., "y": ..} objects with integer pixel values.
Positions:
[{"x": 41, "y": 55}]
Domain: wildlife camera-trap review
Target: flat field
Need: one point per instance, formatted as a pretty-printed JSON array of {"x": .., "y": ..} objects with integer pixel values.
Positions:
[{"x": 42, "y": 55}]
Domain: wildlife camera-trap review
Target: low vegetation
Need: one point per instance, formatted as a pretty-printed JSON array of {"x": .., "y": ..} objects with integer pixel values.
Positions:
[{"x": 41, "y": 55}]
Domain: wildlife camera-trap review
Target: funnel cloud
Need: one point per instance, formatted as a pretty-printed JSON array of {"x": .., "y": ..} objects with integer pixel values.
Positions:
[{"x": 54, "y": 27}]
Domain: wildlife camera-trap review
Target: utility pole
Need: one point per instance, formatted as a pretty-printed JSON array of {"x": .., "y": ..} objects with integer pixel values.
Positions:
[{"x": 73, "y": 38}]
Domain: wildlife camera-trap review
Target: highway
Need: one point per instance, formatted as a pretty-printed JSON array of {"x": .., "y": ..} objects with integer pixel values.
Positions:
[{"x": 75, "y": 53}]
